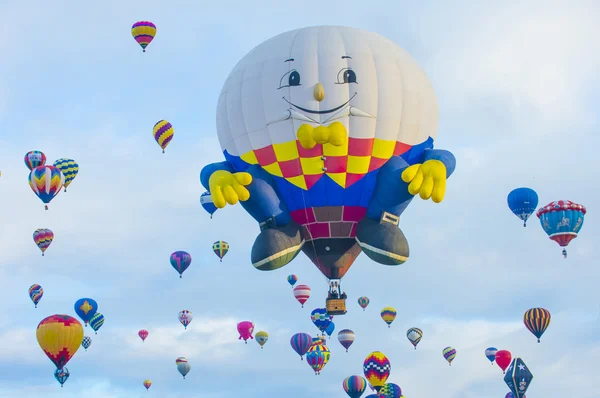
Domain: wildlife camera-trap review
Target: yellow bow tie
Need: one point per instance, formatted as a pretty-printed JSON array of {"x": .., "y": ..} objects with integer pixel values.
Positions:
[{"x": 334, "y": 134}]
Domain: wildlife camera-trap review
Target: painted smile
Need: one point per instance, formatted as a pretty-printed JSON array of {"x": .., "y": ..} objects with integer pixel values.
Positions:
[{"x": 337, "y": 108}]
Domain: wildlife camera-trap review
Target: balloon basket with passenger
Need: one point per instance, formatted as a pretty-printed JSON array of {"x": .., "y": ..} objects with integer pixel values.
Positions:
[{"x": 336, "y": 299}]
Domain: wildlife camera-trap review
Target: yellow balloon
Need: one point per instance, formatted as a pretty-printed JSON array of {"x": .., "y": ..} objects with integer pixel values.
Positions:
[{"x": 60, "y": 337}]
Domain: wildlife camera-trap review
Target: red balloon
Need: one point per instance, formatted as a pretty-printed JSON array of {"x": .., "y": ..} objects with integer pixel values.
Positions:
[
  {"x": 143, "y": 334},
  {"x": 503, "y": 358}
]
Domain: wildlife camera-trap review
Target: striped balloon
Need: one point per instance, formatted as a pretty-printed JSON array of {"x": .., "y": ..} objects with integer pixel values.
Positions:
[
  {"x": 35, "y": 293},
  {"x": 537, "y": 321},
  {"x": 301, "y": 343},
  {"x": 143, "y": 32},
  {"x": 414, "y": 335},
  {"x": 346, "y": 338},
  {"x": 163, "y": 133},
  {"x": 292, "y": 279},
  {"x": 221, "y": 248},
  {"x": 34, "y": 159},
  {"x": 354, "y": 386},
  {"x": 302, "y": 293},
  {"x": 377, "y": 368},
  {"x": 43, "y": 237},
  {"x": 207, "y": 203},
  {"x": 449, "y": 354},
  {"x": 180, "y": 261},
  {"x": 147, "y": 384},
  {"x": 390, "y": 390},
  {"x": 490, "y": 354},
  {"x": 363, "y": 302},
  {"x": 46, "y": 182},
  {"x": 388, "y": 314},
  {"x": 96, "y": 322},
  {"x": 69, "y": 168}
]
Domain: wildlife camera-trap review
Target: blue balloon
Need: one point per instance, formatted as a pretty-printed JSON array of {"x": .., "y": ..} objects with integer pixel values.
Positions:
[
  {"x": 523, "y": 202},
  {"x": 85, "y": 308},
  {"x": 330, "y": 329},
  {"x": 207, "y": 203},
  {"x": 61, "y": 375},
  {"x": 321, "y": 318},
  {"x": 490, "y": 353},
  {"x": 562, "y": 220}
]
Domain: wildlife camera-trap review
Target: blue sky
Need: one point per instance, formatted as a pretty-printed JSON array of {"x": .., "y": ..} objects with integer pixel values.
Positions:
[{"x": 518, "y": 95}]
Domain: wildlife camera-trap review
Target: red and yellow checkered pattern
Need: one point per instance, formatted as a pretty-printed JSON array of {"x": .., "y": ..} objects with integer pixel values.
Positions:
[{"x": 344, "y": 164}]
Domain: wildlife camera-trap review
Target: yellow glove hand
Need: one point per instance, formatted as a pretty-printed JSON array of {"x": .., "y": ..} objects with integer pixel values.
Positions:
[
  {"x": 427, "y": 179},
  {"x": 227, "y": 187}
]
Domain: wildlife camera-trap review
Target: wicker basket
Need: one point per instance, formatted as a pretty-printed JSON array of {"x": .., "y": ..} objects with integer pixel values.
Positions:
[{"x": 336, "y": 306}]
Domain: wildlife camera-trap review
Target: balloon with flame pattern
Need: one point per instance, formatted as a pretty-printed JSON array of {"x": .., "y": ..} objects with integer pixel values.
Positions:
[
  {"x": 163, "y": 133},
  {"x": 46, "y": 182},
  {"x": 59, "y": 336}
]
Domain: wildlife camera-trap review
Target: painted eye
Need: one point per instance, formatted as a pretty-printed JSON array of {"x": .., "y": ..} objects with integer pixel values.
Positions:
[
  {"x": 294, "y": 79},
  {"x": 346, "y": 76}
]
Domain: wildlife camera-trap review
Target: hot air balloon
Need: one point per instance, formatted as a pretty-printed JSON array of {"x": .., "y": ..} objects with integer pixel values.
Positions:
[
  {"x": 207, "y": 203},
  {"x": 163, "y": 133},
  {"x": 43, "y": 237},
  {"x": 221, "y": 248},
  {"x": 292, "y": 279},
  {"x": 261, "y": 338},
  {"x": 180, "y": 260},
  {"x": 321, "y": 319},
  {"x": 183, "y": 366},
  {"x": 61, "y": 375},
  {"x": 96, "y": 322},
  {"x": 46, "y": 182},
  {"x": 143, "y": 32},
  {"x": 562, "y": 220},
  {"x": 346, "y": 338},
  {"x": 85, "y": 308},
  {"x": 147, "y": 384},
  {"x": 377, "y": 369},
  {"x": 390, "y": 390},
  {"x": 330, "y": 329},
  {"x": 185, "y": 317},
  {"x": 143, "y": 334},
  {"x": 363, "y": 302},
  {"x": 35, "y": 159},
  {"x": 522, "y": 202},
  {"x": 59, "y": 336},
  {"x": 490, "y": 353},
  {"x": 518, "y": 378},
  {"x": 35, "y": 293},
  {"x": 354, "y": 386},
  {"x": 503, "y": 358},
  {"x": 414, "y": 335},
  {"x": 302, "y": 293},
  {"x": 388, "y": 314},
  {"x": 245, "y": 329},
  {"x": 317, "y": 357},
  {"x": 449, "y": 354},
  {"x": 326, "y": 165},
  {"x": 86, "y": 342},
  {"x": 300, "y": 343},
  {"x": 537, "y": 321},
  {"x": 69, "y": 168}
]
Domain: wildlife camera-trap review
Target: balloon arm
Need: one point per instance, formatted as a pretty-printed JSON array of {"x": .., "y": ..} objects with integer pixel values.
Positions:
[
  {"x": 443, "y": 156},
  {"x": 209, "y": 169}
]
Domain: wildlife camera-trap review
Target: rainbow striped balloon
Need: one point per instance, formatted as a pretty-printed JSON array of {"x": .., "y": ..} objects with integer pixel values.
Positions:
[
  {"x": 377, "y": 369},
  {"x": 163, "y": 133},
  {"x": 388, "y": 314},
  {"x": 354, "y": 386},
  {"x": 35, "y": 293},
  {"x": 46, "y": 182},
  {"x": 43, "y": 238},
  {"x": 143, "y": 32},
  {"x": 301, "y": 343}
]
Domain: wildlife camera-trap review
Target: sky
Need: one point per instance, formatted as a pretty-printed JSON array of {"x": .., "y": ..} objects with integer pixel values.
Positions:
[{"x": 518, "y": 91}]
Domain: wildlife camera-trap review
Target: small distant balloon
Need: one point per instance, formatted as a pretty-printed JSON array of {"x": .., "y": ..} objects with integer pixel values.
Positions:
[
  {"x": 43, "y": 237},
  {"x": 330, "y": 328},
  {"x": 86, "y": 342},
  {"x": 85, "y": 308},
  {"x": 69, "y": 168},
  {"x": 180, "y": 261},
  {"x": 221, "y": 248},
  {"x": 292, "y": 279},
  {"x": 147, "y": 384},
  {"x": 61, "y": 375},
  {"x": 346, "y": 338},
  {"x": 34, "y": 159},
  {"x": 562, "y": 220},
  {"x": 185, "y": 318},
  {"x": 245, "y": 329},
  {"x": 261, "y": 338},
  {"x": 302, "y": 293},
  {"x": 163, "y": 133},
  {"x": 449, "y": 354},
  {"x": 363, "y": 302},
  {"x": 96, "y": 322},
  {"x": 522, "y": 202},
  {"x": 183, "y": 366},
  {"x": 207, "y": 203},
  {"x": 490, "y": 354},
  {"x": 35, "y": 293},
  {"x": 537, "y": 320},
  {"x": 143, "y": 334},
  {"x": 414, "y": 335},
  {"x": 388, "y": 314},
  {"x": 143, "y": 32}
]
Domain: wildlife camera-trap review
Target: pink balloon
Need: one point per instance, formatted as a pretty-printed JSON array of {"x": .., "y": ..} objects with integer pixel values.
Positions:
[{"x": 245, "y": 330}]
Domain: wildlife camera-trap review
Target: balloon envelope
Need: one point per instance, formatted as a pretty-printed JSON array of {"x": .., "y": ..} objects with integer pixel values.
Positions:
[
  {"x": 69, "y": 168},
  {"x": 35, "y": 293},
  {"x": 180, "y": 261},
  {"x": 300, "y": 343},
  {"x": 85, "y": 308},
  {"x": 245, "y": 329},
  {"x": 537, "y": 320},
  {"x": 59, "y": 336},
  {"x": 143, "y": 32},
  {"x": 522, "y": 202},
  {"x": 490, "y": 354},
  {"x": 34, "y": 159},
  {"x": 503, "y": 358},
  {"x": 354, "y": 386},
  {"x": 376, "y": 368}
]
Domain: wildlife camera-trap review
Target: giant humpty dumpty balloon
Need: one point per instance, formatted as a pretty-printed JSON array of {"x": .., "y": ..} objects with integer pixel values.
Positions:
[{"x": 328, "y": 135}]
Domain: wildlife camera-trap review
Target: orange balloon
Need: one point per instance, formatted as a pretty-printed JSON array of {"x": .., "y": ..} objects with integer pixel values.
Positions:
[{"x": 60, "y": 337}]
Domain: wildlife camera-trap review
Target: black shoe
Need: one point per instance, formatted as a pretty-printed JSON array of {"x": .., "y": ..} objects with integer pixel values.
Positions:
[
  {"x": 382, "y": 242},
  {"x": 274, "y": 247}
]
